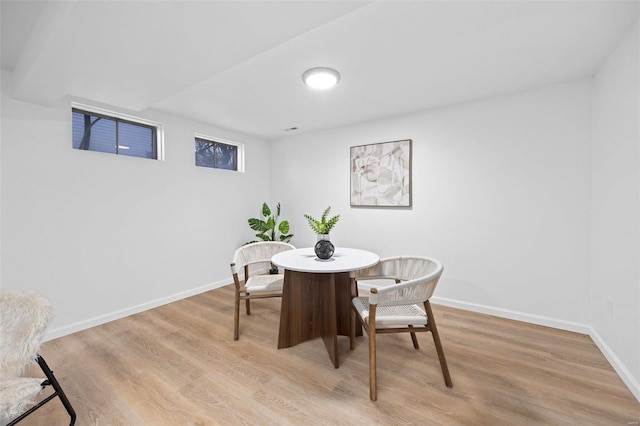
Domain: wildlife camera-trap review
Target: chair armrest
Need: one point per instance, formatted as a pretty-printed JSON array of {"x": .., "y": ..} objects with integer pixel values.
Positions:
[{"x": 375, "y": 277}]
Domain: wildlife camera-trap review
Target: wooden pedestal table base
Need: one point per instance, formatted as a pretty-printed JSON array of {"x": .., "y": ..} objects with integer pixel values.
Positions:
[{"x": 316, "y": 305}]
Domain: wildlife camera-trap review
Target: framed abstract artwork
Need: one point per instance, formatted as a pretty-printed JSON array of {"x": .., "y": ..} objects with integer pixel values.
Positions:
[{"x": 381, "y": 174}]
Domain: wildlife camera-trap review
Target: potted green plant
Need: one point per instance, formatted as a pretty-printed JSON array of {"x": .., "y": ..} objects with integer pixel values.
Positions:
[
  {"x": 324, "y": 249},
  {"x": 323, "y": 226},
  {"x": 269, "y": 229}
]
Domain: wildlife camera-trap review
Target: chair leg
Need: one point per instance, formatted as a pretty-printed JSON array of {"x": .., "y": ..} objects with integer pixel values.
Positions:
[
  {"x": 236, "y": 317},
  {"x": 352, "y": 314},
  {"x": 58, "y": 389},
  {"x": 352, "y": 328},
  {"x": 373, "y": 379},
  {"x": 436, "y": 341},
  {"x": 246, "y": 293},
  {"x": 414, "y": 339}
]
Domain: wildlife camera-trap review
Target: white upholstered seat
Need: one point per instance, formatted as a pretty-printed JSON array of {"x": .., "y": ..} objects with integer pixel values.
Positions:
[
  {"x": 255, "y": 286},
  {"x": 402, "y": 307},
  {"x": 391, "y": 315},
  {"x": 264, "y": 283}
]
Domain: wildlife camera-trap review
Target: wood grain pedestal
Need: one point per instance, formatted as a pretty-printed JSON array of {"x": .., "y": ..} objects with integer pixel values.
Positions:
[{"x": 316, "y": 305}]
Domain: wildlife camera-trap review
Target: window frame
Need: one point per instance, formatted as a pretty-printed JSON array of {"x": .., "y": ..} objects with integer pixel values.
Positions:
[
  {"x": 214, "y": 140},
  {"x": 124, "y": 118}
]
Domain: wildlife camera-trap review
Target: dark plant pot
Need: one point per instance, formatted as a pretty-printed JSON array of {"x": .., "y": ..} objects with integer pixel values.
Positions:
[
  {"x": 273, "y": 271},
  {"x": 324, "y": 249}
]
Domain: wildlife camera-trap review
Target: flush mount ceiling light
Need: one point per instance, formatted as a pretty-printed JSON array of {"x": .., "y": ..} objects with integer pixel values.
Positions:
[{"x": 321, "y": 78}]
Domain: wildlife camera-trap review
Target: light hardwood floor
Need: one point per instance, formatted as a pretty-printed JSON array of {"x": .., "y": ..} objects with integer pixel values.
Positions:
[{"x": 178, "y": 365}]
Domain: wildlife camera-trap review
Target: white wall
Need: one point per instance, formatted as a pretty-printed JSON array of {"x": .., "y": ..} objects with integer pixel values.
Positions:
[
  {"x": 103, "y": 236},
  {"x": 615, "y": 206},
  {"x": 501, "y": 194}
]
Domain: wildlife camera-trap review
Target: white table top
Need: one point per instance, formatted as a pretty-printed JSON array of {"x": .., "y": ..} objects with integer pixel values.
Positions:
[{"x": 343, "y": 260}]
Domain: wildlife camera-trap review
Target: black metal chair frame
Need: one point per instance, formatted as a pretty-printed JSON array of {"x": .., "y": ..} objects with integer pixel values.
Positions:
[{"x": 58, "y": 392}]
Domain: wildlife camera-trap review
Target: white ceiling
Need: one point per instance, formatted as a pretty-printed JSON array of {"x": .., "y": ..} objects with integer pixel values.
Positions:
[{"x": 238, "y": 64}]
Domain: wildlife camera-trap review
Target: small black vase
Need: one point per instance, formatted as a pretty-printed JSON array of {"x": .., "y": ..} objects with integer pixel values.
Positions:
[{"x": 324, "y": 249}]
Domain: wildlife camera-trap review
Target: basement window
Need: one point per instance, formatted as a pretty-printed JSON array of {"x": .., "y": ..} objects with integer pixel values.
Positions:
[
  {"x": 218, "y": 153},
  {"x": 105, "y": 131}
]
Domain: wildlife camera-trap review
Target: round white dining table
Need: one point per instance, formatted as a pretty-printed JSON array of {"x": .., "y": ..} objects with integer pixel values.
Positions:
[{"x": 343, "y": 260}]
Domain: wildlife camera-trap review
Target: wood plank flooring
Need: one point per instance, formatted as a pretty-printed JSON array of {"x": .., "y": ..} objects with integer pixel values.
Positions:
[{"x": 178, "y": 365}]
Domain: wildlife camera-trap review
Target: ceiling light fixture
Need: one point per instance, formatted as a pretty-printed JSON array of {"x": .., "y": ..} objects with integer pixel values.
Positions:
[{"x": 321, "y": 78}]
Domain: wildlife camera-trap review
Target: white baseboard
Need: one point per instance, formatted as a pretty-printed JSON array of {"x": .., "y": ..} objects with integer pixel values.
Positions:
[
  {"x": 514, "y": 315},
  {"x": 92, "y": 322},
  {"x": 618, "y": 366}
]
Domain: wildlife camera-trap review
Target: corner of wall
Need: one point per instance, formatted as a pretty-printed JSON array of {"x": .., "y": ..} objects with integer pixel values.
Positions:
[{"x": 618, "y": 366}]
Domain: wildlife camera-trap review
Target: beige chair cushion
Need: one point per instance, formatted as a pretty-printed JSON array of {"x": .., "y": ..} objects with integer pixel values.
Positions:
[
  {"x": 398, "y": 315},
  {"x": 264, "y": 283}
]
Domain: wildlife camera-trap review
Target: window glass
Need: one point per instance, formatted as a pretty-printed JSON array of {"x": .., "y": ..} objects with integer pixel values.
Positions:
[
  {"x": 93, "y": 133},
  {"x": 216, "y": 155},
  {"x": 114, "y": 135},
  {"x": 226, "y": 156},
  {"x": 204, "y": 153},
  {"x": 136, "y": 141}
]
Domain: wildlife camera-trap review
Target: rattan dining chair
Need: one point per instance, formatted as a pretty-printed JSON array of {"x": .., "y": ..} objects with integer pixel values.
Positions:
[
  {"x": 402, "y": 307},
  {"x": 256, "y": 286},
  {"x": 24, "y": 318}
]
